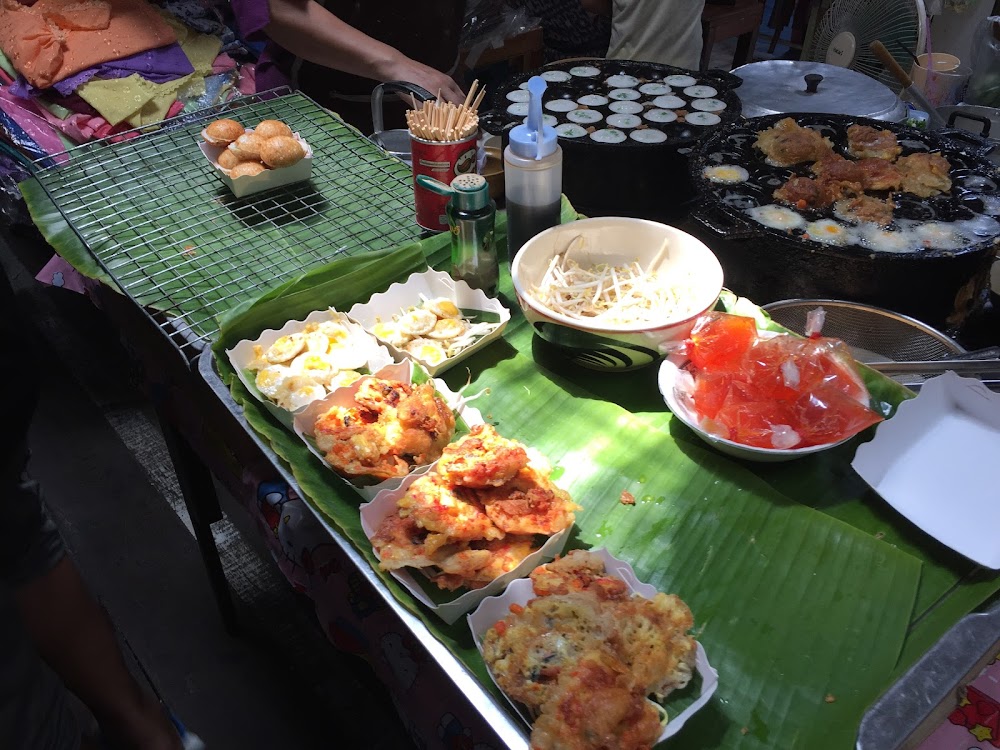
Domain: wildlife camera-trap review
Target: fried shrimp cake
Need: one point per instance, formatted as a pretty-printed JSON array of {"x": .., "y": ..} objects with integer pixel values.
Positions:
[
  {"x": 579, "y": 570},
  {"x": 925, "y": 174},
  {"x": 865, "y": 208},
  {"x": 596, "y": 706},
  {"x": 357, "y": 442},
  {"x": 866, "y": 142},
  {"x": 653, "y": 642},
  {"x": 482, "y": 459},
  {"x": 393, "y": 427},
  {"x": 880, "y": 174},
  {"x": 501, "y": 555},
  {"x": 427, "y": 424},
  {"x": 529, "y": 504},
  {"x": 452, "y": 512},
  {"x": 526, "y": 653},
  {"x": 400, "y": 543},
  {"x": 787, "y": 143}
]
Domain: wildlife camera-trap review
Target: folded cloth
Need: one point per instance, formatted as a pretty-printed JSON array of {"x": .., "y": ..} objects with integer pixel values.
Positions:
[
  {"x": 167, "y": 63},
  {"x": 53, "y": 39},
  {"x": 135, "y": 99}
]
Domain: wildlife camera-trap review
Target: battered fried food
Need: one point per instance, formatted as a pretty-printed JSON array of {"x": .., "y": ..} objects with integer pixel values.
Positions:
[
  {"x": 597, "y": 706},
  {"x": 653, "y": 641},
  {"x": 392, "y": 427},
  {"x": 527, "y": 653},
  {"x": 400, "y": 543},
  {"x": 501, "y": 556},
  {"x": 864, "y": 141},
  {"x": 453, "y": 513},
  {"x": 925, "y": 174},
  {"x": 865, "y": 208},
  {"x": 472, "y": 534},
  {"x": 584, "y": 662},
  {"x": 577, "y": 571},
  {"x": 529, "y": 504},
  {"x": 482, "y": 459},
  {"x": 836, "y": 168},
  {"x": 787, "y": 143},
  {"x": 880, "y": 174},
  {"x": 804, "y": 192}
]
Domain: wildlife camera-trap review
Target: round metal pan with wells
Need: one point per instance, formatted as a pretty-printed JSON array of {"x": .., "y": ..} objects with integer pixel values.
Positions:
[
  {"x": 937, "y": 285},
  {"x": 657, "y": 114}
]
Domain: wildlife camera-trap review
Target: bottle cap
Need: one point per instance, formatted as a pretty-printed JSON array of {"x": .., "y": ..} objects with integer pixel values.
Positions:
[
  {"x": 471, "y": 192},
  {"x": 534, "y": 140}
]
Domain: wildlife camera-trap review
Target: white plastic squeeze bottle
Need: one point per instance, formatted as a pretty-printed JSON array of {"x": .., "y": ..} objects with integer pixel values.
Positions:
[{"x": 532, "y": 166}]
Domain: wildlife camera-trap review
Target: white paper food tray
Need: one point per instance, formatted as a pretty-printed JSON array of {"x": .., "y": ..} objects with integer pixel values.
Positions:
[
  {"x": 936, "y": 460},
  {"x": 521, "y": 592},
  {"x": 431, "y": 284},
  {"x": 384, "y": 504},
  {"x": 240, "y": 356},
  {"x": 269, "y": 178},
  {"x": 305, "y": 420}
]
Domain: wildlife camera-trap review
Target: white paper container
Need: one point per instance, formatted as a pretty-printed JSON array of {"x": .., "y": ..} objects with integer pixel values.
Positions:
[
  {"x": 269, "y": 178},
  {"x": 521, "y": 592},
  {"x": 384, "y": 504},
  {"x": 667, "y": 380},
  {"x": 305, "y": 420},
  {"x": 240, "y": 356},
  {"x": 402, "y": 295},
  {"x": 936, "y": 461}
]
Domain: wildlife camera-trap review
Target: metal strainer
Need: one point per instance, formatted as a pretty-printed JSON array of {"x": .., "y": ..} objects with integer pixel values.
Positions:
[{"x": 872, "y": 332}]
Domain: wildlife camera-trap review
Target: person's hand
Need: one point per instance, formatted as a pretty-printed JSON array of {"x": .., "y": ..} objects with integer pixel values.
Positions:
[{"x": 433, "y": 80}]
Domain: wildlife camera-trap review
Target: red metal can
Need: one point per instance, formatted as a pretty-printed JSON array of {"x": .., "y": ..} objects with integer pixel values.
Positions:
[{"x": 444, "y": 161}]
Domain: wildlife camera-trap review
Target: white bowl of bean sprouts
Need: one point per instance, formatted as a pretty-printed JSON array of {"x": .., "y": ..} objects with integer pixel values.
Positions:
[{"x": 612, "y": 292}]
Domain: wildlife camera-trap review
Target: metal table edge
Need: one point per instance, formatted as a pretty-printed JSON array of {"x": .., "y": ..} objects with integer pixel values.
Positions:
[
  {"x": 931, "y": 681},
  {"x": 507, "y": 730}
]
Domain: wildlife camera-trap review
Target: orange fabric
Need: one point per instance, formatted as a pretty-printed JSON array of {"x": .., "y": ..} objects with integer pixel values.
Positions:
[{"x": 53, "y": 39}]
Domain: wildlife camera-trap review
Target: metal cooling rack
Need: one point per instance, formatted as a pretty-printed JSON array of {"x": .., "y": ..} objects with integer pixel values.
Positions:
[{"x": 163, "y": 225}]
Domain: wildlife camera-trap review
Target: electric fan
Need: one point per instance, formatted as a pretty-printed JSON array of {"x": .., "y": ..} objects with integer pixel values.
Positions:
[{"x": 849, "y": 26}]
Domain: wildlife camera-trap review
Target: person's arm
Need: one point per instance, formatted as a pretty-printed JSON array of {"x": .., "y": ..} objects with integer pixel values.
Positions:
[
  {"x": 313, "y": 33},
  {"x": 72, "y": 634}
]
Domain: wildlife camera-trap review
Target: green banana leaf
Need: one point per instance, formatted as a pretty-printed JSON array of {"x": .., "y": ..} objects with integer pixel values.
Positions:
[{"x": 803, "y": 615}]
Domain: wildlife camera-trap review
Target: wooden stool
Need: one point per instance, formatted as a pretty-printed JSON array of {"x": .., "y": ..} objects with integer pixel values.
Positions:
[{"x": 741, "y": 19}]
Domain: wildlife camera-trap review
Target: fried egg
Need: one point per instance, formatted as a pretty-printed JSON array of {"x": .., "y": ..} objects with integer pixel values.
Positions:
[
  {"x": 316, "y": 365},
  {"x": 269, "y": 379},
  {"x": 346, "y": 355},
  {"x": 828, "y": 232},
  {"x": 333, "y": 330},
  {"x": 317, "y": 342},
  {"x": 776, "y": 217},
  {"x": 298, "y": 391},
  {"x": 427, "y": 351},
  {"x": 343, "y": 378},
  {"x": 939, "y": 236},
  {"x": 417, "y": 322},
  {"x": 885, "y": 241},
  {"x": 284, "y": 348},
  {"x": 726, "y": 174},
  {"x": 442, "y": 307},
  {"x": 390, "y": 333},
  {"x": 448, "y": 328}
]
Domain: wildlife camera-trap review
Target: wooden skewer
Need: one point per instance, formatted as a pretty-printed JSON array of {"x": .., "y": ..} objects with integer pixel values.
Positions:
[
  {"x": 472, "y": 92},
  {"x": 478, "y": 101}
]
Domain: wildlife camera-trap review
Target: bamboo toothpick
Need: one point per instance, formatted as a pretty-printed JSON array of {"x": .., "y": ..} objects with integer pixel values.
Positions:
[{"x": 438, "y": 120}]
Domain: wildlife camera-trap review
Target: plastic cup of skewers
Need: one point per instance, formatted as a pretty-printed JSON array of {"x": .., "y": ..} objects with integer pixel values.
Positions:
[{"x": 613, "y": 293}]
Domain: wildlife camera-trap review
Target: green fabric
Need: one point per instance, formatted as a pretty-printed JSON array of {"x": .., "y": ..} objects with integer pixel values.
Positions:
[{"x": 792, "y": 603}]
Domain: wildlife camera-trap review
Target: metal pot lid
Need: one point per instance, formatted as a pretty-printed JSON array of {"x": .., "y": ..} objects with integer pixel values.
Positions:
[{"x": 778, "y": 86}]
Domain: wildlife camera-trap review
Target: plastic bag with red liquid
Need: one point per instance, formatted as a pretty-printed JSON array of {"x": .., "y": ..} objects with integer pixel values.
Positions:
[{"x": 774, "y": 391}]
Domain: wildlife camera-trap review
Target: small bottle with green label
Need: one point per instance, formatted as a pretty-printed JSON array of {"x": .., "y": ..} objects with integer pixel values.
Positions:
[{"x": 471, "y": 217}]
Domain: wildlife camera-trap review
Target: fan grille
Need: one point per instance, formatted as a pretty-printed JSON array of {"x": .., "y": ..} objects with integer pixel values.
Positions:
[{"x": 898, "y": 24}]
